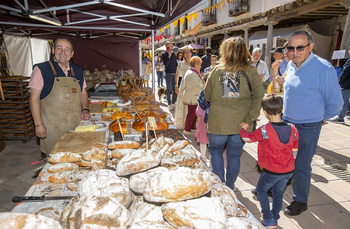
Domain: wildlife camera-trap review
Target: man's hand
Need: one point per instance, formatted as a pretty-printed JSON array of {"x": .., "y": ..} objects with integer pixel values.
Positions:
[
  {"x": 85, "y": 115},
  {"x": 40, "y": 131},
  {"x": 275, "y": 66},
  {"x": 280, "y": 80}
]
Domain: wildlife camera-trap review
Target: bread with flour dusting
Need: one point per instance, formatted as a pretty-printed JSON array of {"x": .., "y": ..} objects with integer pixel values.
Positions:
[
  {"x": 106, "y": 183},
  {"x": 243, "y": 223},
  {"x": 23, "y": 220},
  {"x": 151, "y": 225},
  {"x": 138, "y": 181},
  {"x": 177, "y": 184},
  {"x": 64, "y": 157},
  {"x": 124, "y": 145},
  {"x": 143, "y": 211},
  {"x": 204, "y": 213},
  {"x": 227, "y": 197},
  {"x": 62, "y": 167},
  {"x": 96, "y": 212},
  {"x": 138, "y": 161}
]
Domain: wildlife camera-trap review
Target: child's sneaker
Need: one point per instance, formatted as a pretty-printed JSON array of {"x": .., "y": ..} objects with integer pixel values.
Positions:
[{"x": 270, "y": 224}]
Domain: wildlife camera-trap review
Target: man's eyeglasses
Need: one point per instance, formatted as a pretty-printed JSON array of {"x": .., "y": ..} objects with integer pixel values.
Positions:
[{"x": 299, "y": 48}]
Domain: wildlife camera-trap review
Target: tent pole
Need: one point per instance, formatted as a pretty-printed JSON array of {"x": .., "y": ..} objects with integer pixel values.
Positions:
[
  {"x": 140, "y": 58},
  {"x": 153, "y": 59}
]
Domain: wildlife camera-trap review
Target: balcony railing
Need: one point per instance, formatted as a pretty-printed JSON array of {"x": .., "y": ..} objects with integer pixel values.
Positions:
[
  {"x": 238, "y": 7},
  {"x": 209, "y": 18}
]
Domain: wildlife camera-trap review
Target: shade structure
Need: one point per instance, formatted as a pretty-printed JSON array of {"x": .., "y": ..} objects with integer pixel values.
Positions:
[
  {"x": 161, "y": 48},
  {"x": 194, "y": 46}
]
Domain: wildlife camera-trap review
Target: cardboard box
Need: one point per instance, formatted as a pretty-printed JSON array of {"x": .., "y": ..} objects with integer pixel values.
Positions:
[{"x": 2, "y": 141}]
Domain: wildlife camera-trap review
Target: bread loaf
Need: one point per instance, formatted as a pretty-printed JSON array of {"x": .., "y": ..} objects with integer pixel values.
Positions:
[
  {"x": 178, "y": 145},
  {"x": 116, "y": 124},
  {"x": 87, "y": 155},
  {"x": 64, "y": 157},
  {"x": 227, "y": 197},
  {"x": 177, "y": 184},
  {"x": 107, "y": 104},
  {"x": 124, "y": 145},
  {"x": 62, "y": 167},
  {"x": 22, "y": 220},
  {"x": 120, "y": 153},
  {"x": 139, "y": 125},
  {"x": 137, "y": 161},
  {"x": 138, "y": 181},
  {"x": 184, "y": 160},
  {"x": 105, "y": 183},
  {"x": 242, "y": 223},
  {"x": 122, "y": 114},
  {"x": 50, "y": 213},
  {"x": 60, "y": 177},
  {"x": 204, "y": 213},
  {"x": 84, "y": 163},
  {"x": 151, "y": 225},
  {"x": 143, "y": 211},
  {"x": 96, "y": 212}
]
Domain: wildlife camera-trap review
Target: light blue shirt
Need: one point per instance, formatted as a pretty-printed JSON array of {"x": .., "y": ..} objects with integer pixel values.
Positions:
[{"x": 311, "y": 92}]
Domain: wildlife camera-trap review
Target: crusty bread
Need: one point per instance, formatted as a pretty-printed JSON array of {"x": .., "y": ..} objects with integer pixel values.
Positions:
[
  {"x": 201, "y": 213},
  {"x": 177, "y": 184},
  {"x": 106, "y": 183},
  {"x": 137, "y": 161},
  {"x": 96, "y": 212},
  {"x": 64, "y": 157},
  {"x": 139, "y": 125},
  {"x": 115, "y": 127},
  {"x": 23, "y": 220},
  {"x": 84, "y": 163},
  {"x": 60, "y": 177},
  {"x": 151, "y": 225},
  {"x": 120, "y": 153},
  {"x": 124, "y": 145},
  {"x": 50, "y": 213},
  {"x": 62, "y": 167},
  {"x": 243, "y": 223},
  {"x": 87, "y": 155},
  {"x": 227, "y": 197},
  {"x": 138, "y": 181},
  {"x": 122, "y": 114},
  {"x": 178, "y": 145},
  {"x": 143, "y": 211},
  {"x": 184, "y": 160}
]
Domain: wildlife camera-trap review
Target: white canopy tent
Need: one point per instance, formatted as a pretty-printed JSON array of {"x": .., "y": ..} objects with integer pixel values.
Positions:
[
  {"x": 23, "y": 52},
  {"x": 322, "y": 43}
]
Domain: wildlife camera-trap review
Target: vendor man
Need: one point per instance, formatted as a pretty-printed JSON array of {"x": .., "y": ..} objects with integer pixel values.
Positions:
[{"x": 58, "y": 98}]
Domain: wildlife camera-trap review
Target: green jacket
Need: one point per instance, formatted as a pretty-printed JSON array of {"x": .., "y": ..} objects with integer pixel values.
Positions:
[{"x": 225, "y": 114}]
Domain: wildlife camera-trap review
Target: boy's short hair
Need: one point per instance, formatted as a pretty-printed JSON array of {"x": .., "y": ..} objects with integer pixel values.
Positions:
[{"x": 272, "y": 104}]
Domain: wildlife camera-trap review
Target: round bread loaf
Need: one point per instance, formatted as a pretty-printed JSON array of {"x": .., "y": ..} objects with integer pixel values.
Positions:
[
  {"x": 106, "y": 183},
  {"x": 121, "y": 114},
  {"x": 150, "y": 113},
  {"x": 107, "y": 104},
  {"x": 151, "y": 225},
  {"x": 22, "y": 220},
  {"x": 143, "y": 211},
  {"x": 120, "y": 153},
  {"x": 204, "y": 212},
  {"x": 137, "y": 161},
  {"x": 96, "y": 212},
  {"x": 138, "y": 181},
  {"x": 115, "y": 127},
  {"x": 177, "y": 184},
  {"x": 60, "y": 177},
  {"x": 227, "y": 197},
  {"x": 139, "y": 125}
]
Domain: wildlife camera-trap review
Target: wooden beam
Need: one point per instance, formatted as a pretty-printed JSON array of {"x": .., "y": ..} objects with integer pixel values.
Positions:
[{"x": 293, "y": 12}]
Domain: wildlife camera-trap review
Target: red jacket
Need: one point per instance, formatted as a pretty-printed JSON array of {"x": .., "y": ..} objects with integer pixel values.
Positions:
[{"x": 272, "y": 154}]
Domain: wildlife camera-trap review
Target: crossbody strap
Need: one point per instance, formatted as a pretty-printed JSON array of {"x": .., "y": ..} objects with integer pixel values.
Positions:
[{"x": 248, "y": 82}]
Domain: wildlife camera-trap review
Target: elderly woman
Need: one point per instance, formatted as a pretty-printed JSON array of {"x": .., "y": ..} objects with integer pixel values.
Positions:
[
  {"x": 181, "y": 109},
  {"x": 234, "y": 91},
  {"x": 190, "y": 87}
]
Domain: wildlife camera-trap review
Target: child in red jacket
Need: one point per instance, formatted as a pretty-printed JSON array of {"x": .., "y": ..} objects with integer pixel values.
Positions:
[{"x": 277, "y": 150}]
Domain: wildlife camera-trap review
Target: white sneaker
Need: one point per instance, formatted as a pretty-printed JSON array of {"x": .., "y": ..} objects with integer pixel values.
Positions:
[{"x": 188, "y": 132}]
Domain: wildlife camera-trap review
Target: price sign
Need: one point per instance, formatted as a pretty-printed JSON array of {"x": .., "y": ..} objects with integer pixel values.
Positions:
[
  {"x": 123, "y": 83},
  {"x": 152, "y": 122}
]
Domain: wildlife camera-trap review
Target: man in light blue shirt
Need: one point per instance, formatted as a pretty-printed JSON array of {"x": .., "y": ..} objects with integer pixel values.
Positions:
[{"x": 312, "y": 95}]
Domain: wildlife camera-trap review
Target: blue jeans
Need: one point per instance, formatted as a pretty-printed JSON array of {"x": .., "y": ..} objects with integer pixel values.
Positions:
[
  {"x": 346, "y": 96},
  {"x": 308, "y": 138},
  {"x": 160, "y": 78},
  {"x": 170, "y": 86},
  {"x": 278, "y": 184},
  {"x": 234, "y": 145}
]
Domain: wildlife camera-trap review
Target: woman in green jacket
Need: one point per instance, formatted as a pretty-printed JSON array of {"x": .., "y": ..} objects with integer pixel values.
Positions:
[{"x": 234, "y": 91}]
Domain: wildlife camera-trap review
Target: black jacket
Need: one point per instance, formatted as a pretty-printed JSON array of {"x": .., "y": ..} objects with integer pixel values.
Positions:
[{"x": 344, "y": 79}]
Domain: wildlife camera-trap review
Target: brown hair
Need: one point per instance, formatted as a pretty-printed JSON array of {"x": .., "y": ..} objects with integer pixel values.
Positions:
[
  {"x": 234, "y": 54},
  {"x": 194, "y": 60},
  {"x": 214, "y": 56},
  {"x": 272, "y": 104},
  {"x": 184, "y": 50}
]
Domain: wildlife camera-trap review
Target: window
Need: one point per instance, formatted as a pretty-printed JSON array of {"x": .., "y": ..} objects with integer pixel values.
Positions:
[
  {"x": 238, "y": 7},
  {"x": 209, "y": 16}
]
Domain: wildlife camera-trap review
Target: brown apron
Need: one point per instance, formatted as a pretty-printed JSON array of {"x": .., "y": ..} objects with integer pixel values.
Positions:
[{"x": 60, "y": 110}]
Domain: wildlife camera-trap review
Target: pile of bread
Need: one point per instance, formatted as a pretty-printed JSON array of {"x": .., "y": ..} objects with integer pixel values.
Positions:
[
  {"x": 97, "y": 77},
  {"x": 151, "y": 187}
]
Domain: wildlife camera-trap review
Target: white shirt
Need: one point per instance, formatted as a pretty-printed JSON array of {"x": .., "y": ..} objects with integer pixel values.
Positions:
[{"x": 261, "y": 67}]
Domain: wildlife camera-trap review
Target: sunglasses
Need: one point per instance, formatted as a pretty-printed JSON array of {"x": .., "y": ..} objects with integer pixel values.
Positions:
[{"x": 299, "y": 48}]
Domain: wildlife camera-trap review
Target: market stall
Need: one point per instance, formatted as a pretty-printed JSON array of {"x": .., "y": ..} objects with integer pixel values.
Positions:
[{"x": 131, "y": 162}]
